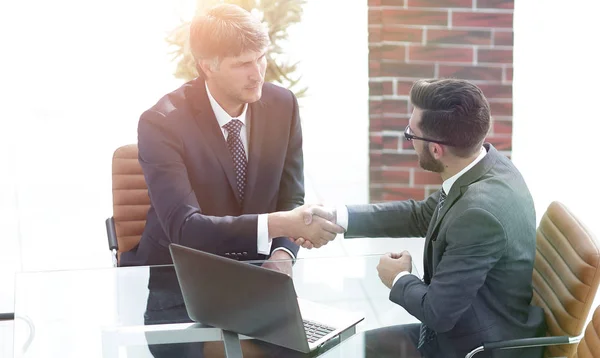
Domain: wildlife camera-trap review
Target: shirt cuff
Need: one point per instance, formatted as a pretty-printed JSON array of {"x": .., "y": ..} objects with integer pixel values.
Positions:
[
  {"x": 403, "y": 273},
  {"x": 286, "y": 250},
  {"x": 263, "y": 244},
  {"x": 342, "y": 216}
]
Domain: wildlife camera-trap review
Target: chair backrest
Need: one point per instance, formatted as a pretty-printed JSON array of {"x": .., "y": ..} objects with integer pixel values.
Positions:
[
  {"x": 589, "y": 347},
  {"x": 565, "y": 276},
  {"x": 130, "y": 197}
]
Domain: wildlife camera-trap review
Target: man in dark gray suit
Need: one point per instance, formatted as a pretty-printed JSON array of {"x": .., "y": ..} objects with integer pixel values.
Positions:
[{"x": 479, "y": 229}]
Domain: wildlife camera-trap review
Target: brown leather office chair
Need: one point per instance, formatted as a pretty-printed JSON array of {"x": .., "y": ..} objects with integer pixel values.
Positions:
[
  {"x": 130, "y": 201},
  {"x": 565, "y": 281},
  {"x": 589, "y": 347}
]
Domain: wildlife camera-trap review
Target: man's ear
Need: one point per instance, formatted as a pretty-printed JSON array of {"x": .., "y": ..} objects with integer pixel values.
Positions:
[
  {"x": 437, "y": 150},
  {"x": 206, "y": 67}
]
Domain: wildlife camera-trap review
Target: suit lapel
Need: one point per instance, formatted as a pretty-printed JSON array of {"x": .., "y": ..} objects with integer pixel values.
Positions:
[
  {"x": 461, "y": 185},
  {"x": 213, "y": 135},
  {"x": 457, "y": 190},
  {"x": 256, "y": 127}
]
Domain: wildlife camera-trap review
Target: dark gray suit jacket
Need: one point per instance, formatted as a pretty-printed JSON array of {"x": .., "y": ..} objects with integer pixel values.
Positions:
[
  {"x": 191, "y": 180},
  {"x": 479, "y": 255}
]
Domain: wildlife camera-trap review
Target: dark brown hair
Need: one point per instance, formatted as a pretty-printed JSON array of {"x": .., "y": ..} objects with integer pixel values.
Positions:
[{"x": 454, "y": 111}]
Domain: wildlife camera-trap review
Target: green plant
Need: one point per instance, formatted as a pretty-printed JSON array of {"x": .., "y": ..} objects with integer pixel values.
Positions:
[{"x": 278, "y": 15}]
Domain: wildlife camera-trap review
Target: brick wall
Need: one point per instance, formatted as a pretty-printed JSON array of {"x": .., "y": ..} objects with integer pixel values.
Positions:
[{"x": 413, "y": 39}]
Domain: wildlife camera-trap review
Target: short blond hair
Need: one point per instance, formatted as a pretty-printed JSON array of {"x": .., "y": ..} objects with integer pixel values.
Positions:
[{"x": 226, "y": 30}]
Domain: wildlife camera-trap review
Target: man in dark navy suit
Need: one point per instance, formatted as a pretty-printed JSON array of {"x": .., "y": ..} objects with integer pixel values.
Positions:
[{"x": 222, "y": 159}]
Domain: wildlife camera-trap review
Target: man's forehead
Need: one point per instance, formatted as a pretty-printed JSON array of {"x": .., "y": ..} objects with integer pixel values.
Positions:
[{"x": 248, "y": 56}]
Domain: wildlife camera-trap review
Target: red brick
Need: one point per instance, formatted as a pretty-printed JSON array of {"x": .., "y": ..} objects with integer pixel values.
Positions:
[
  {"x": 501, "y": 109},
  {"x": 375, "y": 195},
  {"x": 509, "y": 74},
  {"x": 423, "y": 177},
  {"x": 374, "y": 35},
  {"x": 374, "y": 68},
  {"x": 375, "y": 142},
  {"x": 472, "y": 73},
  {"x": 413, "y": 17},
  {"x": 497, "y": 91},
  {"x": 483, "y": 37},
  {"x": 390, "y": 142},
  {"x": 398, "y": 123},
  {"x": 494, "y": 56},
  {"x": 390, "y": 176},
  {"x": 375, "y": 160},
  {"x": 388, "y": 52},
  {"x": 380, "y": 88},
  {"x": 395, "y": 194},
  {"x": 503, "y": 38},
  {"x": 374, "y": 3},
  {"x": 481, "y": 19},
  {"x": 392, "y": 2},
  {"x": 400, "y": 160},
  {"x": 403, "y": 87},
  {"x": 375, "y": 106},
  {"x": 500, "y": 142},
  {"x": 496, "y": 4},
  {"x": 406, "y": 144},
  {"x": 403, "y": 34},
  {"x": 434, "y": 53},
  {"x": 502, "y": 127},
  {"x": 407, "y": 70},
  {"x": 399, "y": 106},
  {"x": 375, "y": 17},
  {"x": 440, "y": 3}
]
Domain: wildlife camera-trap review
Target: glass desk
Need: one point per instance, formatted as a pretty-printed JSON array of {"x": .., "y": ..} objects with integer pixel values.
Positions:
[{"x": 115, "y": 312}]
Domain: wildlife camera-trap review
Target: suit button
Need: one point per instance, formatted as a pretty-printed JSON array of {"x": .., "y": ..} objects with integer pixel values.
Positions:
[
  {"x": 245, "y": 253},
  {"x": 227, "y": 254}
]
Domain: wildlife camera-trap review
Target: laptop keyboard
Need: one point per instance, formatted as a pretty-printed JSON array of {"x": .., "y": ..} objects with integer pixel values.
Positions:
[{"x": 315, "y": 331}]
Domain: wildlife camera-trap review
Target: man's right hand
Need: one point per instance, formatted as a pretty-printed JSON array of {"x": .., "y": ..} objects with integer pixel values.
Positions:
[
  {"x": 318, "y": 230},
  {"x": 315, "y": 211}
]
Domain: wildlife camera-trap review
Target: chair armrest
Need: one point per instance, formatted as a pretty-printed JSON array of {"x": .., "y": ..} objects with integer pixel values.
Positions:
[
  {"x": 525, "y": 343},
  {"x": 111, "y": 232}
]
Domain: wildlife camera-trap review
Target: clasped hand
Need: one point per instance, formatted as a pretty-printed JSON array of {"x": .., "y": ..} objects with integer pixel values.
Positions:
[{"x": 312, "y": 226}]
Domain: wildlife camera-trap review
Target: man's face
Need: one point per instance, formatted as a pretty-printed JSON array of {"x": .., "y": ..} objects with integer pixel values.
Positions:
[
  {"x": 241, "y": 78},
  {"x": 426, "y": 159}
]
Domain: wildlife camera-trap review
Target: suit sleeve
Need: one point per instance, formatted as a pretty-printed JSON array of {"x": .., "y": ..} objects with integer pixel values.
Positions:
[
  {"x": 408, "y": 218},
  {"x": 291, "y": 186},
  {"x": 161, "y": 155},
  {"x": 476, "y": 241}
]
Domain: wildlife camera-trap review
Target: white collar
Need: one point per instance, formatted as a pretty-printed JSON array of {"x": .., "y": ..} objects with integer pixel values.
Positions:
[
  {"x": 223, "y": 117},
  {"x": 447, "y": 184}
]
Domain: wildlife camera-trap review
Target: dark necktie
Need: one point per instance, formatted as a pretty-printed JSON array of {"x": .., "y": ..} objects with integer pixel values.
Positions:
[
  {"x": 238, "y": 154},
  {"x": 441, "y": 200},
  {"x": 426, "y": 334}
]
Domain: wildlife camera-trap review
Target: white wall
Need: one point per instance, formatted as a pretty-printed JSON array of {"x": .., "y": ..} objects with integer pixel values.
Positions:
[
  {"x": 76, "y": 75},
  {"x": 556, "y": 96}
]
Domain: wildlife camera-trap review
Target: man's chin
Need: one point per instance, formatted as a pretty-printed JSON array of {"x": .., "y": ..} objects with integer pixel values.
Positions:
[{"x": 253, "y": 96}]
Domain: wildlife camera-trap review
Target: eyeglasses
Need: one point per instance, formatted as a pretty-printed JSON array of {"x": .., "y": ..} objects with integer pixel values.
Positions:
[{"x": 410, "y": 136}]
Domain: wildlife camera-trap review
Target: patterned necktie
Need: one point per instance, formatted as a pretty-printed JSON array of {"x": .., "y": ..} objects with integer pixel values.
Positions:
[
  {"x": 238, "y": 154},
  {"x": 441, "y": 201}
]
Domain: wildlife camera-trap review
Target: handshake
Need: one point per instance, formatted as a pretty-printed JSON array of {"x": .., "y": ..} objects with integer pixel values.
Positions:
[{"x": 307, "y": 225}]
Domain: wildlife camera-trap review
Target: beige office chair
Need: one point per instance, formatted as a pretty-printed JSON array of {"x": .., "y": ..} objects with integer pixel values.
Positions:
[
  {"x": 130, "y": 202},
  {"x": 590, "y": 344},
  {"x": 565, "y": 280}
]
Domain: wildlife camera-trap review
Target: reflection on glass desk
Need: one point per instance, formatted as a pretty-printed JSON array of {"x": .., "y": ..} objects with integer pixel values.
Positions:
[{"x": 115, "y": 312}]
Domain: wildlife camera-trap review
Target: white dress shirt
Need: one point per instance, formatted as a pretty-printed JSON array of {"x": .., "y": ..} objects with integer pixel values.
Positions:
[
  {"x": 342, "y": 210},
  {"x": 263, "y": 244}
]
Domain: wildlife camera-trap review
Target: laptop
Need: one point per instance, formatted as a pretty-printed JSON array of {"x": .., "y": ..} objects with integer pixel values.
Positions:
[{"x": 254, "y": 301}]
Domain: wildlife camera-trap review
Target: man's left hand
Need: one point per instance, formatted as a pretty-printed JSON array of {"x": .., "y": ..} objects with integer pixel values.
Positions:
[
  {"x": 280, "y": 261},
  {"x": 391, "y": 264}
]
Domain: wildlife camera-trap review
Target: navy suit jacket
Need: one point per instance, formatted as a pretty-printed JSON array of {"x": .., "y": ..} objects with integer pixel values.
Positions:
[
  {"x": 191, "y": 180},
  {"x": 479, "y": 256}
]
